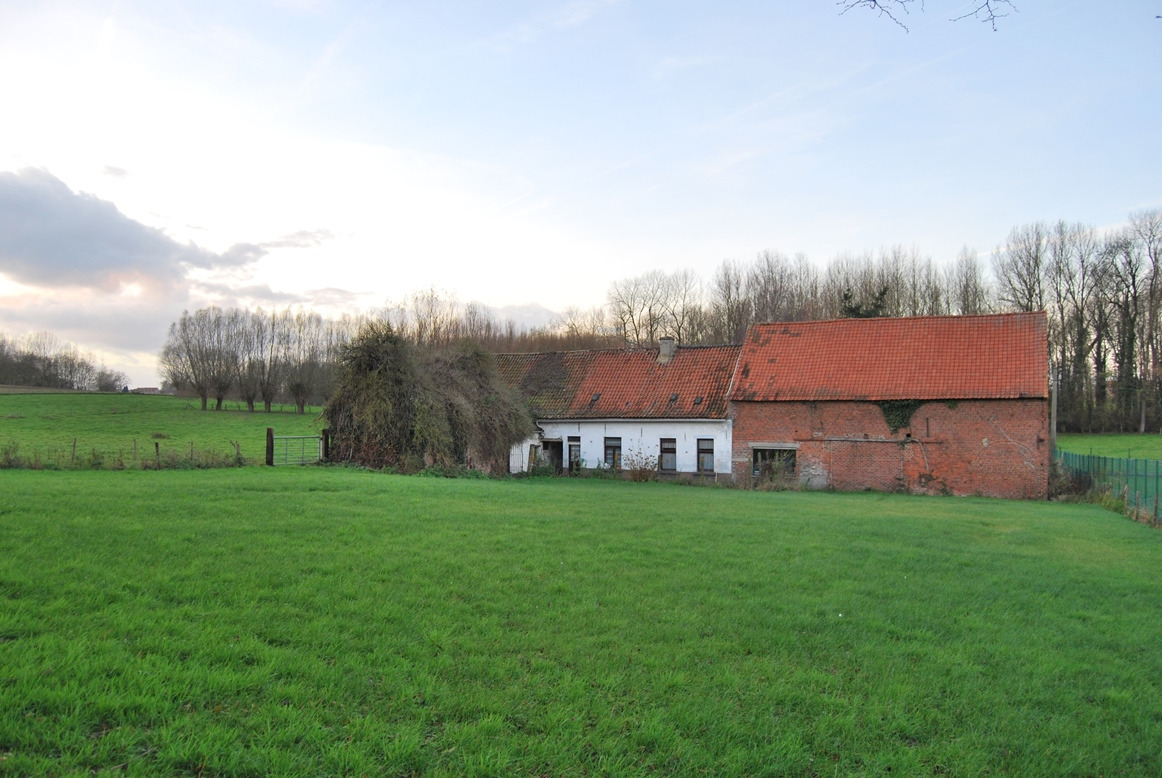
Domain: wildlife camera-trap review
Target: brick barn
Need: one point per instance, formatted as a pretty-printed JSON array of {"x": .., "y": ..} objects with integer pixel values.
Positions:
[{"x": 954, "y": 405}]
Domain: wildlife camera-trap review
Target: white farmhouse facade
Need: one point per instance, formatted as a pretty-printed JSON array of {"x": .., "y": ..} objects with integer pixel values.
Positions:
[
  {"x": 700, "y": 446},
  {"x": 626, "y": 409}
]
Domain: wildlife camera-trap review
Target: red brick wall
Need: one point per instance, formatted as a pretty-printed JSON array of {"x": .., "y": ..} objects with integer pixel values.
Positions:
[{"x": 996, "y": 448}]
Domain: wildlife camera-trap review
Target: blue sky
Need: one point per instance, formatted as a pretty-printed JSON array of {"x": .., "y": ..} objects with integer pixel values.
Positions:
[{"x": 341, "y": 155}]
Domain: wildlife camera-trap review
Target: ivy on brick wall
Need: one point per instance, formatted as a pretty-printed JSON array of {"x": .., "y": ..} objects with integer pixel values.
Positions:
[{"x": 898, "y": 413}]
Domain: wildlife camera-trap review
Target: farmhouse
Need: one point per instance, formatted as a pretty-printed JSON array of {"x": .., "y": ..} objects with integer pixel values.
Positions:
[
  {"x": 956, "y": 405},
  {"x": 952, "y": 405},
  {"x": 663, "y": 408}
]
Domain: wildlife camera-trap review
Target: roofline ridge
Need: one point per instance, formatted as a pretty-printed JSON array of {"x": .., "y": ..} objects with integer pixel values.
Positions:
[
  {"x": 623, "y": 350},
  {"x": 940, "y": 316}
]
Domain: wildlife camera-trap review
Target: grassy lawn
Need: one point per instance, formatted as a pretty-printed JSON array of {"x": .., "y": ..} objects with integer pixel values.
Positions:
[
  {"x": 1125, "y": 445},
  {"x": 325, "y": 621},
  {"x": 126, "y": 430}
]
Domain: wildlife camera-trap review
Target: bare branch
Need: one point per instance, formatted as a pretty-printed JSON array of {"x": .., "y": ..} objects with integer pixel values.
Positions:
[
  {"x": 986, "y": 11},
  {"x": 888, "y": 8}
]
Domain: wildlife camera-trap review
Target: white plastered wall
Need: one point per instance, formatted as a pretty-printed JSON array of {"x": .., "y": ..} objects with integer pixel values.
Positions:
[{"x": 640, "y": 438}]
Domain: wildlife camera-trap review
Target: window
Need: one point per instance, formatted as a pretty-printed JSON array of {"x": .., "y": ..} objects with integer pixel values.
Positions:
[
  {"x": 613, "y": 453},
  {"x": 705, "y": 455},
  {"x": 574, "y": 453},
  {"x": 669, "y": 459},
  {"x": 772, "y": 464}
]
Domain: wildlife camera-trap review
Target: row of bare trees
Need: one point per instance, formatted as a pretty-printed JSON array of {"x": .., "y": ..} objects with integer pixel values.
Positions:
[
  {"x": 254, "y": 356},
  {"x": 1103, "y": 293},
  {"x": 775, "y": 287},
  {"x": 41, "y": 360}
]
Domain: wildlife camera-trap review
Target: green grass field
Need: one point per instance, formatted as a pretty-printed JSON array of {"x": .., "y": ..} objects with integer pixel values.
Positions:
[
  {"x": 1122, "y": 445},
  {"x": 90, "y": 430},
  {"x": 325, "y": 621}
]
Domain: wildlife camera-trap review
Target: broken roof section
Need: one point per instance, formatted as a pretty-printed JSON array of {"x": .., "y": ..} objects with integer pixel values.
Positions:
[
  {"x": 1000, "y": 356},
  {"x": 623, "y": 383}
]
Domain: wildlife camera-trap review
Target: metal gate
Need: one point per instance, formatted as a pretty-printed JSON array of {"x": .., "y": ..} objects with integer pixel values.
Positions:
[{"x": 295, "y": 449}]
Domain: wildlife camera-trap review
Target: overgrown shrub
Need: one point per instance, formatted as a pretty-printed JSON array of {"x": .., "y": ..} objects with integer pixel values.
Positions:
[
  {"x": 775, "y": 476},
  {"x": 1064, "y": 483},
  {"x": 396, "y": 405},
  {"x": 639, "y": 466},
  {"x": 10, "y": 455}
]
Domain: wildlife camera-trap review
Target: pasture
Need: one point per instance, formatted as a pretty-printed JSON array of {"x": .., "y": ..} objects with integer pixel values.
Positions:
[
  {"x": 114, "y": 431},
  {"x": 327, "y": 621},
  {"x": 1120, "y": 444}
]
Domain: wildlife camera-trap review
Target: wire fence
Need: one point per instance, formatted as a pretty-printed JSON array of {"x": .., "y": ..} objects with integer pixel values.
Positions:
[{"x": 1137, "y": 481}]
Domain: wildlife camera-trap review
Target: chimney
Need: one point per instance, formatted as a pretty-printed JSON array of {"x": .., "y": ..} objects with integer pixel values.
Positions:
[{"x": 667, "y": 348}]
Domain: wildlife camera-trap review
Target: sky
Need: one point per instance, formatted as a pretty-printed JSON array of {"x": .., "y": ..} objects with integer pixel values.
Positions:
[{"x": 340, "y": 156}]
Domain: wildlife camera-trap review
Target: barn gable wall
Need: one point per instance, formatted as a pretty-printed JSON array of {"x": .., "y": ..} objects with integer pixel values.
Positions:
[{"x": 996, "y": 448}]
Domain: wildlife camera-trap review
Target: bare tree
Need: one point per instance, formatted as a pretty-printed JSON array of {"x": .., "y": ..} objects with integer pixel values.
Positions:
[
  {"x": 579, "y": 329},
  {"x": 270, "y": 351},
  {"x": 1020, "y": 268},
  {"x": 1073, "y": 278},
  {"x": 187, "y": 359},
  {"x": 730, "y": 305},
  {"x": 922, "y": 290},
  {"x": 987, "y": 11},
  {"x": 1126, "y": 267},
  {"x": 430, "y": 317},
  {"x": 967, "y": 290},
  {"x": 72, "y": 370},
  {"x": 768, "y": 286},
  {"x": 683, "y": 314},
  {"x": 806, "y": 301},
  {"x": 220, "y": 330},
  {"x": 305, "y": 357},
  {"x": 109, "y": 380},
  {"x": 855, "y": 286},
  {"x": 637, "y": 307},
  {"x": 1146, "y": 230},
  {"x": 249, "y": 367}
]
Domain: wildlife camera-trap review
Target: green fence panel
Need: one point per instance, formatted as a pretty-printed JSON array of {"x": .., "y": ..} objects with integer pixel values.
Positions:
[{"x": 1137, "y": 480}]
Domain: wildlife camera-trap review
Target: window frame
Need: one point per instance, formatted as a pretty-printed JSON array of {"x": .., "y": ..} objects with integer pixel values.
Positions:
[
  {"x": 668, "y": 447},
  {"x": 612, "y": 457},
  {"x": 703, "y": 451}
]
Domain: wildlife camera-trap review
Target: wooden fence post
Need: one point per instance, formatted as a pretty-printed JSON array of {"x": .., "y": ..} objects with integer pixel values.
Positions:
[
  {"x": 326, "y": 445},
  {"x": 270, "y": 446}
]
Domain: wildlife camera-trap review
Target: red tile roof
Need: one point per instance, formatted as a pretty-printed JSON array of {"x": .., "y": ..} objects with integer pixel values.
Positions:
[
  {"x": 623, "y": 383},
  {"x": 922, "y": 358}
]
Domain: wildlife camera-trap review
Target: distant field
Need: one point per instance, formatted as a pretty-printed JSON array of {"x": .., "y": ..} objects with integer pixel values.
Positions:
[
  {"x": 9, "y": 389},
  {"x": 83, "y": 430},
  {"x": 1127, "y": 445},
  {"x": 325, "y": 621}
]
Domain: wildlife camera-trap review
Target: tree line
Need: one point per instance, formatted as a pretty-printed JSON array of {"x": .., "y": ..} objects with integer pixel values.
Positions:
[
  {"x": 41, "y": 360},
  {"x": 253, "y": 356},
  {"x": 1102, "y": 291},
  {"x": 268, "y": 356}
]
